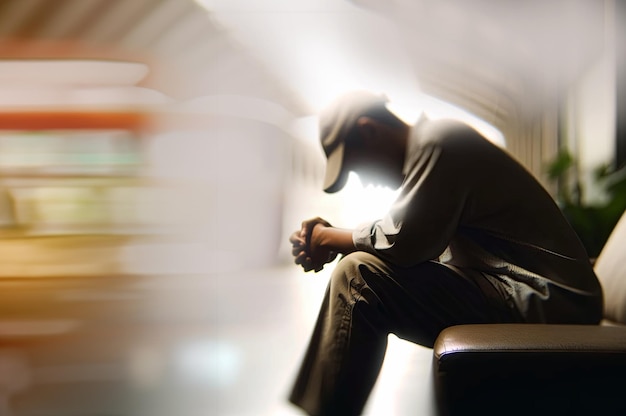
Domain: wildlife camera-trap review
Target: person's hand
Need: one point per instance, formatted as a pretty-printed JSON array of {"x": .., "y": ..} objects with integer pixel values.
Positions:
[
  {"x": 306, "y": 247},
  {"x": 298, "y": 246},
  {"x": 318, "y": 255}
]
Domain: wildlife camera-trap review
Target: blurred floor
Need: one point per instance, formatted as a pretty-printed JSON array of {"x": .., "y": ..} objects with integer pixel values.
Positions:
[{"x": 174, "y": 345}]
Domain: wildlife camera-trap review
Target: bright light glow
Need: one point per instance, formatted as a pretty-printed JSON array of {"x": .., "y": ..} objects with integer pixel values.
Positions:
[
  {"x": 438, "y": 109},
  {"x": 211, "y": 362},
  {"x": 404, "y": 385},
  {"x": 360, "y": 204},
  {"x": 329, "y": 45},
  {"x": 409, "y": 109}
]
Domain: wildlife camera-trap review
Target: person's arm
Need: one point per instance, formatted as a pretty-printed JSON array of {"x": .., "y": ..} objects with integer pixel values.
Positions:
[
  {"x": 425, "y": 215},
  {"x": 337, "y": 240},
  {"x": 318, "y": 243}
]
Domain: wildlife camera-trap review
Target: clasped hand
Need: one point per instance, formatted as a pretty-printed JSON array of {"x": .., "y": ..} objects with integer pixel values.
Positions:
[{"x": 306, "y": 245}]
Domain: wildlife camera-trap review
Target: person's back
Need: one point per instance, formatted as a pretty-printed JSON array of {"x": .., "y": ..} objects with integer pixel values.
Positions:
[{"x": 511, "y": 230}]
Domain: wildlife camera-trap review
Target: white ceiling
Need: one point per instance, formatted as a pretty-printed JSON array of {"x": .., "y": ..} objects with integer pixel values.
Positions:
[
  {"x": 320, "y": 48},
  {"x": 489, "y": 56}
]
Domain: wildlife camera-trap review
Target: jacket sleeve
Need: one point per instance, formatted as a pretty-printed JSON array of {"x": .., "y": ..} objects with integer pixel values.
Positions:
[{"x": 425, "y": 215}]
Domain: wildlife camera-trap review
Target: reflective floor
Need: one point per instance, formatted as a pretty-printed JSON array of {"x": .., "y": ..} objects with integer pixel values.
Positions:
[{"x": 174, "y": 345}]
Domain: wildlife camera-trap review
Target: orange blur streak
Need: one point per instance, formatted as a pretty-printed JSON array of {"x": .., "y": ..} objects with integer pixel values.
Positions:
[{"x": 50, "y": 120}]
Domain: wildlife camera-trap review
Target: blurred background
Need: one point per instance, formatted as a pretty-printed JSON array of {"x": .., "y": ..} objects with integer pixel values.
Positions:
[{"x": 155, "y": 155}]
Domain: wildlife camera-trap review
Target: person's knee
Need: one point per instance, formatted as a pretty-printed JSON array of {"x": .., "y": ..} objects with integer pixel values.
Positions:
[
  {"x": 348, "y": 273},
  {"x": 350, "y": 265},
  {"x": 355, "y": 284}
]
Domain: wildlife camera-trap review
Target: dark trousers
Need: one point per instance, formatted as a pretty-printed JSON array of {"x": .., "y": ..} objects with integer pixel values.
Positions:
[{"x": 366, "y": 300}]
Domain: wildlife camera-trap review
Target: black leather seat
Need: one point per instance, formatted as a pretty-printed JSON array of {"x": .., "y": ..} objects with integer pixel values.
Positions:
[{"x": 514, "y": 369}]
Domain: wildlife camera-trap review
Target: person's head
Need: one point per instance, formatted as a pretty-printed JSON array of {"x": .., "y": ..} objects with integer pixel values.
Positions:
[{"x": 359, "y": 134}]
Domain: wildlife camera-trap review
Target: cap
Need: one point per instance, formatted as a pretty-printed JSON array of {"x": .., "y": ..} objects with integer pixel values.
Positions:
[{"x": 336, "y": 121}]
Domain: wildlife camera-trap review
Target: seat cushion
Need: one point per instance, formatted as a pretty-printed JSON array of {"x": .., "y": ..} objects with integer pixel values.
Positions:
[
  {"x": 537, "y": 369},
  {"x": 610, "y": 268}
]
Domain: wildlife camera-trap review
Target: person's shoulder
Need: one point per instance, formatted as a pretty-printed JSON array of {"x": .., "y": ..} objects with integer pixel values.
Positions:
[
  {"x": 448, "y": 126},
  {"x": 448, "y": 133}
]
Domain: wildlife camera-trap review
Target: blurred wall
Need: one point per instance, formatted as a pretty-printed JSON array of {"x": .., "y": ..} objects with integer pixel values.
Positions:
[
  {"x": 590, "y": 120},
  {"x": 229, "y": 169}
]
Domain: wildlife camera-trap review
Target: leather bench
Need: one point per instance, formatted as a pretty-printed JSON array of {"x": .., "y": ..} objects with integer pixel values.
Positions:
[{"x": 539, "y": 369}]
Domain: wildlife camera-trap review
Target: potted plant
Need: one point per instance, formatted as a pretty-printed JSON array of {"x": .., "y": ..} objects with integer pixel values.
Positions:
[{"x": 592, "y": 221}]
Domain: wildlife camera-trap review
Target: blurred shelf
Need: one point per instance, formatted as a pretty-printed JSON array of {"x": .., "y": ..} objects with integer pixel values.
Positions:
[{"x": 58, "y": 120}]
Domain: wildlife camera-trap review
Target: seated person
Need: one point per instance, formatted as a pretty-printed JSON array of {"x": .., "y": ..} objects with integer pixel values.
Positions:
[{"x": 472, "y": 238}]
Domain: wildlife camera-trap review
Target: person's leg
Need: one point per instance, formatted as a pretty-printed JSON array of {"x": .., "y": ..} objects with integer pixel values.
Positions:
[
  {"x": 366, "y": 300},
  {"x": 348, "y": 343}
]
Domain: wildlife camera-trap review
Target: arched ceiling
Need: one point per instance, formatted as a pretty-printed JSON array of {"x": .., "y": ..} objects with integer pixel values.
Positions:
[
  {"x": 189, "y": 53},
  {"x": 497, "y": 57},
  {"x": 491, "y": 57}
]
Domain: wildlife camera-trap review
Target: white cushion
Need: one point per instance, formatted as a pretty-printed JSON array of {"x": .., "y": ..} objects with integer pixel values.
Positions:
[{"x": 611, "y": 270}]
